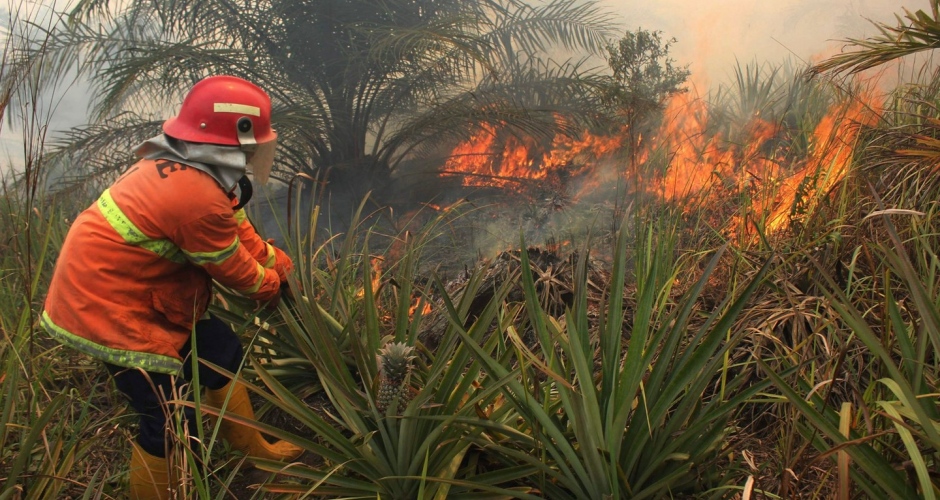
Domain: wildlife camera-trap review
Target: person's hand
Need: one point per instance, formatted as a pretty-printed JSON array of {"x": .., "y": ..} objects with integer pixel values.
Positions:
[
  {"x": 272, "y": 303},
  {"x": 286, "y": 290}
]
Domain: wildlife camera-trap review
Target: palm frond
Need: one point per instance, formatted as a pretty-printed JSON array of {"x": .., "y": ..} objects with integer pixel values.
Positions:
[{"x": 915, "y": 32}]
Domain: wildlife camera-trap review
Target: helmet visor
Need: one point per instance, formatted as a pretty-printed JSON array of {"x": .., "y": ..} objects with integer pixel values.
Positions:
[{"x": 260, "y": 159}]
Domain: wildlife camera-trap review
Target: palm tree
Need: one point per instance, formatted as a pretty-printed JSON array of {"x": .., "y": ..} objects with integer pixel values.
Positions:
[
  {"x": 916, "y": 32},
  {"x": 358, "y": 85}
]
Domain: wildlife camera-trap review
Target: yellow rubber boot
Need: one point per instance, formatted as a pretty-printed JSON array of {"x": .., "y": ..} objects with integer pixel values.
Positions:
[
  {"x": 245, "y": 439},
  {"x": 149, "y": 476}
]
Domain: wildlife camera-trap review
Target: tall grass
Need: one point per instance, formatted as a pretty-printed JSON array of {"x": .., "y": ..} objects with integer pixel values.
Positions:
[
  {"x": 324, "y": 343},
  {"x": 49, "y": 430},
  {"x": 893, "y": 314},
  {"x": 46, "y": 430},
  {"x": 840, "y": 316},
  {"x": 627, "y": 408}
]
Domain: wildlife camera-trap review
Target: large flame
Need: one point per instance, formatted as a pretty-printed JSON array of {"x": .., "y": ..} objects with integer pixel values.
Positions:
[
  {"x": 707, "y": 171},
  {"x": 829, "y": 160},
  {"x": 755, "y": 179},
  {"x": 705, "y": 168}
]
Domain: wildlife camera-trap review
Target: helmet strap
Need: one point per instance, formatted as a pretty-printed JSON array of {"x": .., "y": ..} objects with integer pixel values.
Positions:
[{"x": 244, "y": 185}]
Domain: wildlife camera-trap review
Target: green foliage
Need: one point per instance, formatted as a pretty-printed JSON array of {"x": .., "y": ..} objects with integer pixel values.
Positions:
[
  {"x": 778, "y": 95},
  {"x": 644, "y": 76},
  {"x": 333, "y": 330},
  {"x": 643, "y": 423},
  {"x": 902, "y": 335},
  {"x": 43, "y": 444},
  {"x": 43, "y": 447},
  {"x": 489, "y": 415}
]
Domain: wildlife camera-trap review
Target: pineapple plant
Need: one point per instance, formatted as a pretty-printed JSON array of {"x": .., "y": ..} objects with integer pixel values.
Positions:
[{"x": 395, "y": 362}]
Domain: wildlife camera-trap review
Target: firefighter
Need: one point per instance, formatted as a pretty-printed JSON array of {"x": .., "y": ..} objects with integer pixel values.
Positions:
[{"x": 132, "y": 284}]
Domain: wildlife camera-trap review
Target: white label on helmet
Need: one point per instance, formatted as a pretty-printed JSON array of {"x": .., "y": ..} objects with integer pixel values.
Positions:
[{"x": 231, "y": 107}]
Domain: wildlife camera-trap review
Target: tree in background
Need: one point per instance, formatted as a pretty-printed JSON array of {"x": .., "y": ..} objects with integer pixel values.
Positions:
[
  {"x": 644, "y": 77},
  {"x": 358, "y": 85}
]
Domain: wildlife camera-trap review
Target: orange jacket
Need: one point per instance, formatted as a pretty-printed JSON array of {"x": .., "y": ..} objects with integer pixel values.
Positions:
[{"x": 136, "y": 269}]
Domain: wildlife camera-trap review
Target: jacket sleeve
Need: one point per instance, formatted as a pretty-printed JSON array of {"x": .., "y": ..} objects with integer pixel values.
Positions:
[
  {"x": 264, "y": 252},
  {"x": 258, "y": 248},
  {"x": 213, "y": 242}
]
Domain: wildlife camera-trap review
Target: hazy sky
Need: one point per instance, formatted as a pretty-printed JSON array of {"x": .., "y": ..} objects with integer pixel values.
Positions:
[{"x": 710, "y": 34}]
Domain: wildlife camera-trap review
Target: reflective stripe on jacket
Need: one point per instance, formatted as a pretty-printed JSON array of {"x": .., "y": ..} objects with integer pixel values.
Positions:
[{"x": 136, "y": 269}]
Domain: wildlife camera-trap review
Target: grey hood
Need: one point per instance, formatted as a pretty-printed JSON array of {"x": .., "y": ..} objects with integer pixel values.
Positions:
[{"x": 226, "y": 164}]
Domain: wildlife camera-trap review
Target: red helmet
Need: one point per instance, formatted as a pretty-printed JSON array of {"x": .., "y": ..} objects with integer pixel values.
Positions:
[
  {"x": 215, "y": 112},
  {"x": 228, "y": 111}
]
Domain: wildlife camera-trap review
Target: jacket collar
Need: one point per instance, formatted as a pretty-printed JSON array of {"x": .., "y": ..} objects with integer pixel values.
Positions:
[{"x": 226, "y": 164}]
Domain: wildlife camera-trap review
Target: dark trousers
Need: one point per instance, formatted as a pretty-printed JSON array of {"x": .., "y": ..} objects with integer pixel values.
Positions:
[{"x": 148, "y": 392}]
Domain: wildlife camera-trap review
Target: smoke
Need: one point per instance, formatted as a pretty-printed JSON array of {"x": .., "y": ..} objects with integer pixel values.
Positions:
[
  {"x": 712, "y": 35},
  {"x": 559, "y": 216}
]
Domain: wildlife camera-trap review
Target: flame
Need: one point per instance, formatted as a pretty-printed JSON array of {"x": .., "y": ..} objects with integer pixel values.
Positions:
[
  {"x": 486, "y": 160},
  {"x": 481, "y": 163},
  {"x": 698, "y": 161},
  {"x": 752, "y": 176},
  {"x": 830, "y": 157},
  {"x": 376, "y": 272},
  {"x": 706, "y": 171},
  {"x": 705, "y": 167},
  {"x": 376, "y": 264},
  {"x": 565, "y": 150},
  {"x": 418, "y": 302}
]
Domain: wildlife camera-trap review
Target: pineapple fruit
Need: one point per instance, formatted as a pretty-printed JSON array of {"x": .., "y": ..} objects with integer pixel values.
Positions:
[{"x": 395, "y": 362}]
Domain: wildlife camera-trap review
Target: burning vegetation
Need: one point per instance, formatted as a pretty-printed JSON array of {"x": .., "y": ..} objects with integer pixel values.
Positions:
[
  {"x": 493, "y": 159},
  {"x": 763, "y": 180},
  {"x": 753, "y": 312}
]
